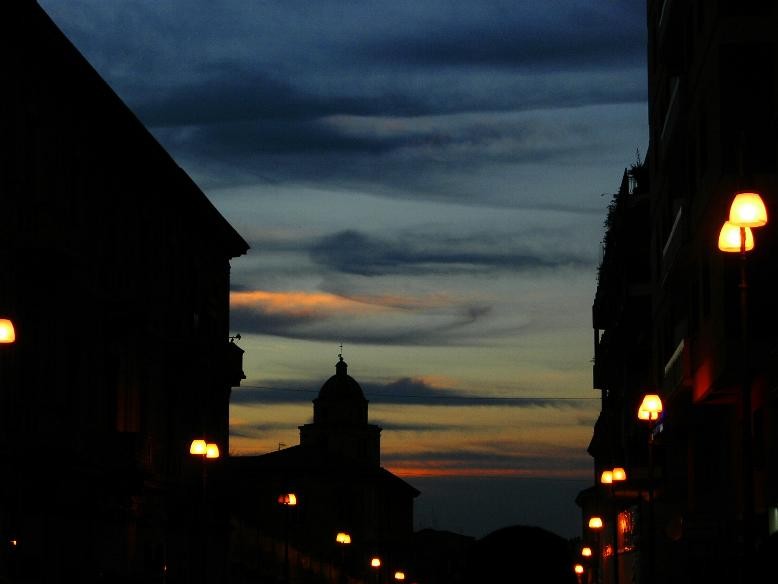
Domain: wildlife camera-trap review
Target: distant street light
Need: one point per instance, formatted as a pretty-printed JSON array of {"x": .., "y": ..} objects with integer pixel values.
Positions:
[
  {"x": 610, "y": 478},
  {"x": 399, "y": 575},
  {"x": 7, "y": 332},
  {"x": 579, "y": 570},
  {"x": 595, "y": 524},
  {"x": 375, "y": 564},
  {"x": 287, "y": 500},
  {"x": 343, "y": 539},
  {"x": 746, "y": 211}
]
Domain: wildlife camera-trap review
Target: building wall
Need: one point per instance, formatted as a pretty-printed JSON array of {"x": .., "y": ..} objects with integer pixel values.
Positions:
[{"x": 115, "y": 270}]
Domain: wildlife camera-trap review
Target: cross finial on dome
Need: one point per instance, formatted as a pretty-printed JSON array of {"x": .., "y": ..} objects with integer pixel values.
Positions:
[{"x": 340, "y": 355}]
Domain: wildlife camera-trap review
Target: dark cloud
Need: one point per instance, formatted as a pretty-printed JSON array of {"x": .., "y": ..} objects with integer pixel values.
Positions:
[
  {"x": 354, "y": 252},
  {"x": 399, "y": 392},
  {"x": 582, "y": 35}
]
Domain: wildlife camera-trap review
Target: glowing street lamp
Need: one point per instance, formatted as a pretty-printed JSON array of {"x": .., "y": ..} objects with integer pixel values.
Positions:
[
  {"x": 375, "y": 562},
  {"x": 610, "y": 477},
  {"x": 7, "y": 332},
  {"x": 595, "y": 523},
  {"x": 198, "y": 447},
  {"x": 586, "y": 552},
  {"x": 747, "y": 211},
  {"x": 205, "y": 450},
  {"x": 649, "y": 411},
  {"x": 399, "y": 575},
  {"x": 650, "y": 408},
  {"x": 343, "y": 538}
]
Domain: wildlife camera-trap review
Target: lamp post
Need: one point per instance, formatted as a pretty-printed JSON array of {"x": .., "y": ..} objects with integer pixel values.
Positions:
[
  {"x": 649, "y": 411},
  {"x": 343, "y": 539},
  {"x": 746, "y": 212},
  {"x": 206, "y": 451},
  {"x": 610, "y": 478},
  {"x": 286, "y": 500},
  {"x": 375, "y": 564},
  {"x": 596, "y": 525},
  {"x": 579, "y": 571}
]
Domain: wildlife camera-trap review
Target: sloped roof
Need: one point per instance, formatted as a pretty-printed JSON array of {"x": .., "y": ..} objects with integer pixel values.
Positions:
[{"x": 58, "y": 85}]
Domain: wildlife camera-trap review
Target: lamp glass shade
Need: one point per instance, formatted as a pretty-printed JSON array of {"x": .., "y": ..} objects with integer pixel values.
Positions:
[
  {"x": 619, "y": 474},
  {"x": 606, "y": 477},
  {"x": 375, "y": 562},
  {"x": 729, "y": 238},
  {"x": 586, "y": 552},
  {"x": 7, "y": 332},
  {"x": 578, "y": 568},
  {"x": 343, "y": 537},
  {"x": 398, "y": 575},
  {"x": 595, "y": 523},
  {"x": 747, "y": 210},
  {"x": 211, "y": 450},
  {"x": 198, "y": 447},
  {"x": 650, "y": 408}
]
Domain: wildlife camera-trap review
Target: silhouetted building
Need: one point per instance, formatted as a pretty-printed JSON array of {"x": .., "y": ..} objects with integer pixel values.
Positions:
[
  {"x": 520, "y": 554},
  {"x": 712, "y": 72},
  {"x": 115, "y": 268},
  {"x": 339, "y": 485}
]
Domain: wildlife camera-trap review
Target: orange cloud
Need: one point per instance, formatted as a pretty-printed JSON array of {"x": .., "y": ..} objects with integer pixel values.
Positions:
[
  {"x": 298, "y": 303},
  {"x": 431, "y": 469},
  {"x": 305, "y": 303}
]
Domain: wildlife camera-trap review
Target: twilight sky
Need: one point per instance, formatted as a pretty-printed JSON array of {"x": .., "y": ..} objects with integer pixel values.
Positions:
[{"x": 420, "y": 181}]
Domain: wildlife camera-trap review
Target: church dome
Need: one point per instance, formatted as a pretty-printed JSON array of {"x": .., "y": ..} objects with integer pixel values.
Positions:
[{"x": 341, "y": 386}]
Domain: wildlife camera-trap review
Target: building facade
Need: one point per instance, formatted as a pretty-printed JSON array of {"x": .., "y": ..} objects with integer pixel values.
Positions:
[
  {"x": 708, "y": 343},
  {"x": 115, "y": 269}
]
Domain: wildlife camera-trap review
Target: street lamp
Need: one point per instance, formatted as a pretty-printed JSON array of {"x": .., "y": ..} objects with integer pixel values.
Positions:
[
  {"x": 375, "y": 564},
  {"x": 286, "y": 500},
  {"x": 596, "y": 524},
  {"x": 399, "y": 575},
  {"x": 210, "y": 451},
  {"x": 649, "y": 411},
  {"x": 7, "y": 332},
  {"x": 343, "y": 539},
  {"x": 746, "y": 211},
  {"x": 579, "y": 570},
  {"x": 611, "y": 477}
]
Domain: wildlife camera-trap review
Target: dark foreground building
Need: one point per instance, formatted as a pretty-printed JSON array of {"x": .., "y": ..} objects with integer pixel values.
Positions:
[
  {"x": 668, "y": 318},
  {"x": 114, "y": 268}
]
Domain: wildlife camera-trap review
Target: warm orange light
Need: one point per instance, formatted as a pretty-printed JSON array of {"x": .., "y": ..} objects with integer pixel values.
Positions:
[
  {"x": 288, "y": 499},
  {"x": 748, "y": 210},
  {"x": 343, "y": 538},
  {"x": 14, "y": 543},
  {"x": 586, "y": 552},
  {"x": 650, "y": 408},
  {"x": 211, "y": 450},
  {"x": 730, "y": 241},
  {"x": 7, "y": 332},
  {"x": 595, "y": 523},
  {"x": 398, "y": 575},
  {"x": 619, "y": 474},
  {"x": 198, "y": 447},
  {"x": 578, "y": 568},
  {"x": 606, "y": 477},
  {"x": 375, "y": 562}
]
